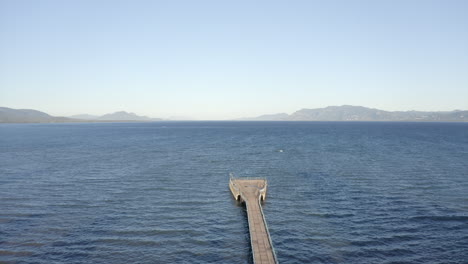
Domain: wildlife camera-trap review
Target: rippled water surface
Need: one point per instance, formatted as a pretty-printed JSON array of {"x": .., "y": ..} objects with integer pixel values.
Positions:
[{"x": 158, "y": 192}]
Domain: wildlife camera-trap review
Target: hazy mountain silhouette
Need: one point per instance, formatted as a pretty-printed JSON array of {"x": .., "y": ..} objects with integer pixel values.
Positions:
[
  {"x": 9, "y": 115},
  {"x": 330, "y": 113},
  {"x": 360, "y": 113},
  {"x": 271, "y": 117},
  {"x": 117, "y": 116},
  {"x": 85, "y": 117},
  {"x": 122, "y": 115}
]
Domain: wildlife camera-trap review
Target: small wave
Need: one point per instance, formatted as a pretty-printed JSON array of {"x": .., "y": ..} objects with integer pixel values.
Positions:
[
  {"x": 383, "y": 241},
  {"x": 153, "y": 232},
  {"x": 442, "y": 218},
  {"x": 394, "y": 252},
  {"x": 367, "y": 243},
  {"x": 23, "y": 243},
  {"x": 5, "y": 220},
  {"x": 15, "y": 253},
  {"x": 330, "y": 215},
  {"x": 33, "y": 244},
  {"x": 128, "y": 242}
]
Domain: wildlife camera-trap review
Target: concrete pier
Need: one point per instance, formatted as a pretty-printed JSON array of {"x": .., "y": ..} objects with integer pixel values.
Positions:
[{"x": 252, "y": 191}]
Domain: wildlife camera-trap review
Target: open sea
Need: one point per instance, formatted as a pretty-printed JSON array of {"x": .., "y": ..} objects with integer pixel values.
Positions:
[{"x": 339, "y": 192}]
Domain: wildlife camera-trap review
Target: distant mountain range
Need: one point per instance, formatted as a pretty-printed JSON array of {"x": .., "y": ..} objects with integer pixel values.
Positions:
[
  {"x": 9, "y": 115},
  {"x": 330, "y": 113},
  {"x": 360, "y": 113},
  {"x": 117, "y": 116}
]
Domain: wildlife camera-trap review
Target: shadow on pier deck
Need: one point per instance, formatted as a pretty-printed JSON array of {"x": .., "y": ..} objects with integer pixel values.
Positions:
[{"x": 251, "y": 191}]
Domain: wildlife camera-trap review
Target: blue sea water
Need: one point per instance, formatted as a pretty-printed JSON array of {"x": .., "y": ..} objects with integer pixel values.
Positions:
[{"x": 158, "y": 192}]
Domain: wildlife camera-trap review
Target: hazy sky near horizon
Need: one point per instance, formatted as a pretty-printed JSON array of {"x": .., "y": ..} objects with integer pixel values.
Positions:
[{"x": 229, "y": 59}]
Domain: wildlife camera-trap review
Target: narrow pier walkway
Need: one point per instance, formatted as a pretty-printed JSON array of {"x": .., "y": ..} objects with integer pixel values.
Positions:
[{"x": 252, "y": 191}]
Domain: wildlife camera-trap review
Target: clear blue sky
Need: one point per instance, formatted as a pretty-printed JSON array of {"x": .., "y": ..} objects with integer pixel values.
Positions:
[{"x": 227, "y": 59}]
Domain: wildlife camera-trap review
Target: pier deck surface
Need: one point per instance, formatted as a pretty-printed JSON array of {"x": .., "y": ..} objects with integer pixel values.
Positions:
[{"x": 251, "y": 191}]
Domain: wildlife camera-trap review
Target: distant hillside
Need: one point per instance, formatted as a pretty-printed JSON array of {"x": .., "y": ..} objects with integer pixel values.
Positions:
[
  {"x": 273, "y": 117},
  {"x": 360, "y": 113},
  {"x": 85, "y": 117},
  {"x": 124, "y": 116},
  {"x": 9, "y": 115},
  {"x": 117, "y": 116}
]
